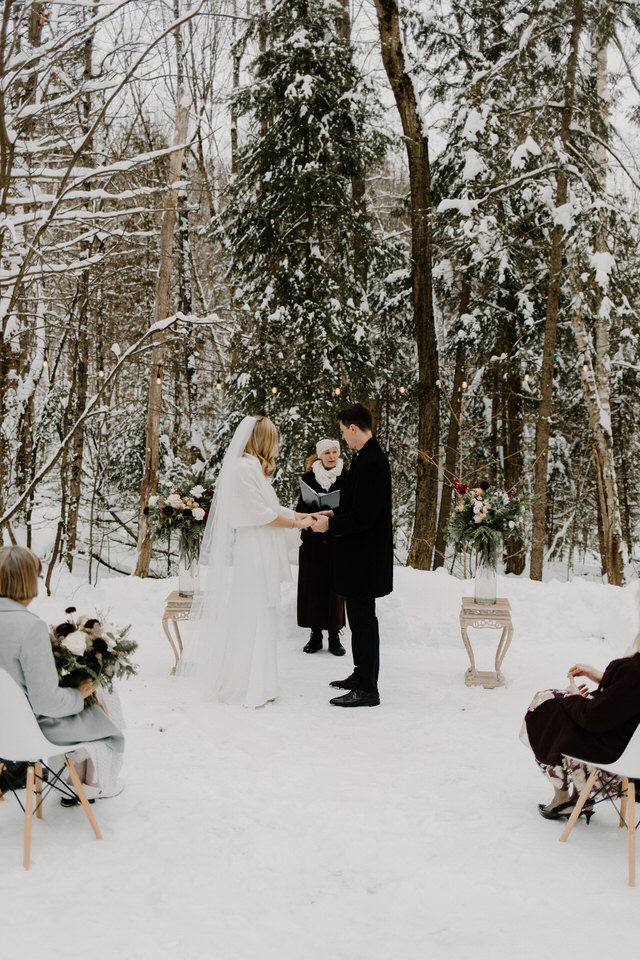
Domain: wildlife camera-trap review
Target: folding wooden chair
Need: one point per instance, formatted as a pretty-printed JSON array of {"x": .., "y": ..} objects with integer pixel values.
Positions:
[
  {"x": 628, "y": 768},
  {"x": 21, "y": 739}
]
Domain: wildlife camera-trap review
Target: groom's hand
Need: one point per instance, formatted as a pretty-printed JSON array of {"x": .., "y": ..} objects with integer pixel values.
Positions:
[{"x": 320, "y": 523}]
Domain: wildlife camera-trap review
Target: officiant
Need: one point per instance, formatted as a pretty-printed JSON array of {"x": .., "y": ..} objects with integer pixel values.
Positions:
[{"x": 319, "y": 608}]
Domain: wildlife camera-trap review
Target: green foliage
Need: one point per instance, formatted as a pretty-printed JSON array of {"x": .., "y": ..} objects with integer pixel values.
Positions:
[
  {"x": 183, "y": 511},
  {"x": 483, "y": 519}
]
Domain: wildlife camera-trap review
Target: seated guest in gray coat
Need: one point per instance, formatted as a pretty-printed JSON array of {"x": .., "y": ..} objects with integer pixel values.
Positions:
[{"x": 25, "y": 653}]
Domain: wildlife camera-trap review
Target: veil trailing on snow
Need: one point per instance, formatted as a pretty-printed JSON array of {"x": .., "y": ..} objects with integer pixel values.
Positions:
[{"x": 216, "y": 563}]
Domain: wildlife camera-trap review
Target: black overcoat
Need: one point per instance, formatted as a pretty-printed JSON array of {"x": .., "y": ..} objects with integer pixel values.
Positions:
[
  {"x": 598, "y": 729},
  {"x": 362, "y": 527},
  {"x": 319, "y": 606}
]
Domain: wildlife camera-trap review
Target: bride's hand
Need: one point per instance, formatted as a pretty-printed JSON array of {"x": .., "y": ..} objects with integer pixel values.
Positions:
[{"x": 303, "y": 520}]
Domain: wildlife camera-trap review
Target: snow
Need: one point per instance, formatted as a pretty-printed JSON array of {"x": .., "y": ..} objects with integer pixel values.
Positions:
[
  {"x": 301, "y": 830},
  {"x": 603, "y": 263}
]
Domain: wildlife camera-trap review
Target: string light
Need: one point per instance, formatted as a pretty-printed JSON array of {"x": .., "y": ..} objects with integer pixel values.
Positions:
[
  {"x": 101, "y": 368},
  {"x": 464, "y": 384},
  {"x": 45, "y": 362},
  {"x": 527, "y": 377},
  {"x": 219, "y": 383},
  {"x": 402, "y": 388},
  {"x": 585, "y": 365},
  {"x": 337, "y": 391},
  {"x": 274, "y": 390},
  {"x": 159, "y": 374}
]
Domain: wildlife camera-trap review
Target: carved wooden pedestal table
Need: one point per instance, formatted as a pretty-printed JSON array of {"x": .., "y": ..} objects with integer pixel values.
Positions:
[
  {"x": 494, "y": 616},
  {"x": 177, "y": 608}
]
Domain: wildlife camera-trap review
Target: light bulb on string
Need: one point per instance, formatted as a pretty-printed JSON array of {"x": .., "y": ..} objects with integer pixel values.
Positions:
[
  {"x": 159, "y": 374},
  {"x": 274, "y": 390},
  {"x": 101, "y": 368},
  {"x": 402, "y": 388},
  {"x": 337, "y": 391},
  {"x": 527, "y": 377},
  {"x": 45, "y": 362},
  {"x": 585, "y": 365},
  {"x": 464, "y": 384},
  {"x": 219, "y": 383}
]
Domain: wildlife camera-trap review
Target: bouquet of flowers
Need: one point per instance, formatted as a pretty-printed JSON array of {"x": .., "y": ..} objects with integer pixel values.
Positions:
[
  {"x": 183, "y": 511},
  {"x": 87, "y": 647},
  {"x": 483, "y": 518}
]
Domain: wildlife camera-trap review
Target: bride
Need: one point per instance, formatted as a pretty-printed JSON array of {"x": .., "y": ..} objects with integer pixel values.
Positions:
[{"x": 243, "y": 560}]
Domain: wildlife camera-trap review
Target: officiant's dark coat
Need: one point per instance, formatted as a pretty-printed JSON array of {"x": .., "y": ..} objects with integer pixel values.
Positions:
[
  {"x": 596, "y": 729},
  {"x": 362, "y": 527},
  {"x": 319, "y": 607}
]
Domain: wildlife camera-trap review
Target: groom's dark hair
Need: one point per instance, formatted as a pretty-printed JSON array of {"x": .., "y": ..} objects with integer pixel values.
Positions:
[{"x": 357, "y": 414}]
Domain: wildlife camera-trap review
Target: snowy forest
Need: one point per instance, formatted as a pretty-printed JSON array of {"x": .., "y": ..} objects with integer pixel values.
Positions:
[{"x": 218, "y": 207}]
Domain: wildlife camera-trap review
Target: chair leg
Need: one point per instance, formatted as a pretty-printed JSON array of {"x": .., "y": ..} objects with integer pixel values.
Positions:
[
  {"x": 631, "y": 830},
  {"x": 82, "y": 797},
  {"x": 28, "y": 816},
  {"x": 579, "y": 805},
  {"x": 1, "y": 769},
  {"x": 38, "y": 772},
  {"x": 624, "y": 800}
]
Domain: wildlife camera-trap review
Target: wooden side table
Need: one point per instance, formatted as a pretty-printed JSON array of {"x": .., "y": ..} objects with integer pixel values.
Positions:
[
  {"x": 176, "y": 608},
  {"x": 495, "y": 616}
]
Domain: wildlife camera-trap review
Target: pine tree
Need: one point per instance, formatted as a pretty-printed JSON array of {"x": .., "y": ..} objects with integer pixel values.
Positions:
[{"x": 299, "y": 244}]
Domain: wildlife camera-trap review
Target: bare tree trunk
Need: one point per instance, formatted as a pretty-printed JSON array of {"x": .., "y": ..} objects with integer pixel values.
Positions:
[
  {"x": 545, "y": 409},
  {"x": 424, "y": 528},
  {"x": 162, "y": 309}
]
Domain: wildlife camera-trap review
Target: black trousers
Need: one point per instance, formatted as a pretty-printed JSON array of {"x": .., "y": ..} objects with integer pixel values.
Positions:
[{"x": 365, "y": 640}]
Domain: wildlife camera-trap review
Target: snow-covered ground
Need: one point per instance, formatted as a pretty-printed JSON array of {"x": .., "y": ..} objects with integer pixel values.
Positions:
[{"x": 300, "y": 831}]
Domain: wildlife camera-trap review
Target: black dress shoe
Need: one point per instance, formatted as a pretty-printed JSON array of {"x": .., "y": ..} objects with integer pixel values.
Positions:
[
  {"x": 357, "y": 698},
  {"x": 349, "y": 683},
  {"x": 314, "y": 642}
]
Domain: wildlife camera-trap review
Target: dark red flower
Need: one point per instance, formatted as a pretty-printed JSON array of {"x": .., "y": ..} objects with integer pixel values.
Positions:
[
  {"x": 64, "y": 629},
  {"x": 70, "y": 610},
  {"x": 90, "y": 624},
  {"x": 461, "y": 488},
  {"x": 167, "y": 511},
  {"x": 99, "y": 645},
  {"x": 484, "y": 484},
  {"x": 186, "y": 512},
  {"x": 206, "y": 512},
  {"x": 145, "y": 510},
  {"x": 511, "y": 492}
]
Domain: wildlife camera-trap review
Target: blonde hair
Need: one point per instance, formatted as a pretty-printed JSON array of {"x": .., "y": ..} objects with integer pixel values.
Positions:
[
  {"x": 19, "y": 572},
  {"x": 263, "y": 444},
  {"x": 310, "y": 461}
]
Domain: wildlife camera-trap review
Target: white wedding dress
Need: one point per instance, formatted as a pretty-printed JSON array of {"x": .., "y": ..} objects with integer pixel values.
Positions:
[{"x": 244, "y": 561}]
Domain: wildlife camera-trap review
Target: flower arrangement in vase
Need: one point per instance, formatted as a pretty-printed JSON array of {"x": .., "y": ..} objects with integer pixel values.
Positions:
[
  {"x": 182, "y": 511},
  {"x": 483, "y": 518}
]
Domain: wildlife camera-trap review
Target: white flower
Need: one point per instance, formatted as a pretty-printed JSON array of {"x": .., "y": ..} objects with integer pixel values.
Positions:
[
  {"x": 460, "y": 508},
  {"x": 479, "y": 517},
  {"x": 477, "y": 507},
  {"x": 174, "y": 500},
  {"x": 196, "y": 491},
  {"x": 198, "y": 513},
  {"x": 511, "y": 524},
  {"x": 76, "y": 642},
  {"x": 153, "y": 501}
]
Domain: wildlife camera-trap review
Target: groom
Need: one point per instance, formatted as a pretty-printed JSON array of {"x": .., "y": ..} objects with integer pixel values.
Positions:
[{"x": 363, "y": 568}]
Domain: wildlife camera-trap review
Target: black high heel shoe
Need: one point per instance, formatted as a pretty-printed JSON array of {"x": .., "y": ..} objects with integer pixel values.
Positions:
[{"x": 562, "y": 812}]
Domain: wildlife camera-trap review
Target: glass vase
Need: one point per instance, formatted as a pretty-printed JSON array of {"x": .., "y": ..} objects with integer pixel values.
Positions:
[
  {"x": 188, "y": 577},
  {"x": 485, "y": 583}
]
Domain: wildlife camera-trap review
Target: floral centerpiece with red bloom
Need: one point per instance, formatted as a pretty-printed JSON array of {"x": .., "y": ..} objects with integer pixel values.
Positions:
[
  {"x": 483, "y": 518},
  {"x": 183, "y": 511},
  {"x": 85, "y": 646}
]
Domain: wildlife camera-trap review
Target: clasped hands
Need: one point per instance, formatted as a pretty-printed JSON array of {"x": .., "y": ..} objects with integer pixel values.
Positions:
[
  {"x": 582, "y": 670},
  {"x": 318, "y": 522}
]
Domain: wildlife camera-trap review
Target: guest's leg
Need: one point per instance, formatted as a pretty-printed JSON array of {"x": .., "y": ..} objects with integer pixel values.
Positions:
[{"x": 365, "y": 640}]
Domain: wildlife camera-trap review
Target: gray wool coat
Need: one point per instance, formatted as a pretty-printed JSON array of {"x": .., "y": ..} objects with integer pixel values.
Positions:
[{"x": 25, "y": 653}]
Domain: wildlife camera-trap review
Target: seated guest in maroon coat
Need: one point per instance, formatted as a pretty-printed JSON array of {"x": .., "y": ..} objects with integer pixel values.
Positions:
[
  {"x": 318, "y": 606},
  {"x": 594, "y": 726}
]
